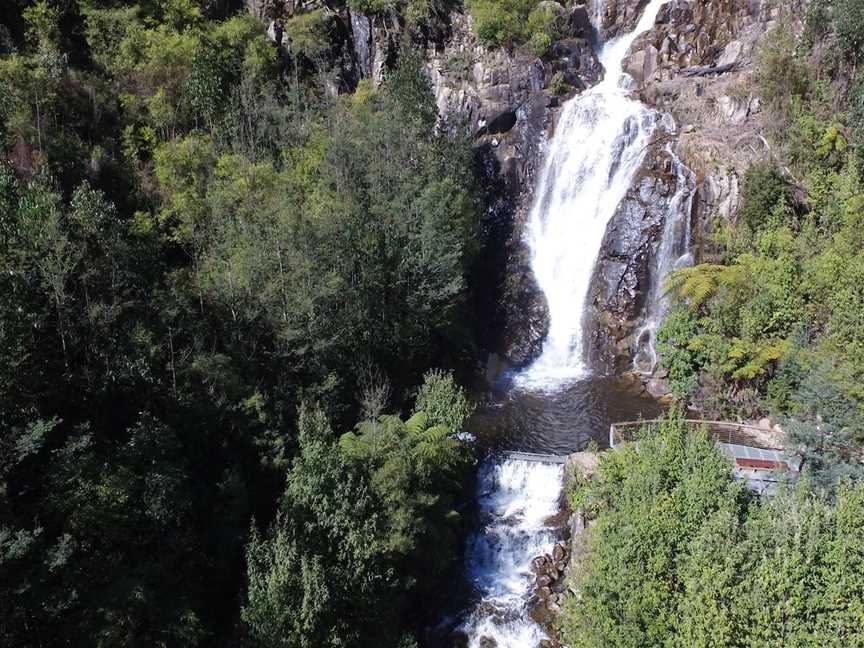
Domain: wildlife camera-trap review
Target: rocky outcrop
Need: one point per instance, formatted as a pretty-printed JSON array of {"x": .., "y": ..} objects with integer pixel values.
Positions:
[
  {"x": 525, "y": 312},
  {"x": 626, "y": 267},
  {"x": 549, "y": 585},
  {"x": 375, "y": 44},
  {"x": 617, "y": 16},
  {"x": 697, "y": 64}
]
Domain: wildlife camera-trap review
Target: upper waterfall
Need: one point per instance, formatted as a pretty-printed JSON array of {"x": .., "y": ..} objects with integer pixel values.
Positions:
[{"x": 598, "y": 146}]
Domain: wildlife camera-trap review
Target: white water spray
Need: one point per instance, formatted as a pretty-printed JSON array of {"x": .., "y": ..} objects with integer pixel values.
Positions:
[
  {"x": 517, "y": 499},
  {"x": 599, "y": 144}
]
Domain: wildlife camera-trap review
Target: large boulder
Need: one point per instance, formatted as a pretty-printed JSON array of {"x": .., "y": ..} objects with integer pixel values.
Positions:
[
  {"x": 617, "y": 16},
  {"x": 526, "y": 313},
  {"x": 627, "y": 266}
]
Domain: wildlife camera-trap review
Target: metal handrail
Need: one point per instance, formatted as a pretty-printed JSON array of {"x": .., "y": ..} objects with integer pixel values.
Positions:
[{"x": 722, "y": 431}]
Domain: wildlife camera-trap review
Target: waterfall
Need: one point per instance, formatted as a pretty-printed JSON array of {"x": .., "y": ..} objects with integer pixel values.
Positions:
[
  {"x": 672, "y": 253},
  {"x": 598, "y": 146},
  {"x": 517, "y": 499}
]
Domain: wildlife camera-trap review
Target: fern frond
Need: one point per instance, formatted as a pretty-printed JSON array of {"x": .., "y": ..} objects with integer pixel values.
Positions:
[
  {"x": 698, "y": 284},
  {"x": 391, "y": 424},
  {"x": 417, "y": 423}
]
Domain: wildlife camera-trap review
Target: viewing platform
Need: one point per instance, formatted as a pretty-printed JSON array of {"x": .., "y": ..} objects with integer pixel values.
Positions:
[{"x": 757, "y": 457}]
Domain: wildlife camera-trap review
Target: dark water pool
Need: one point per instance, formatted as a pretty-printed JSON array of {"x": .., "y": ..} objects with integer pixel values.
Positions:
[{"x": 557, "y": 421}]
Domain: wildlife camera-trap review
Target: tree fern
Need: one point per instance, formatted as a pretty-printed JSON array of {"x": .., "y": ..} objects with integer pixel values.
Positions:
[
  {"x": 352, "y": 446},
  {"x": 698, "y": 284},
  {"x": 436, "y": 450},
  {"x": 757, "y": 357}
]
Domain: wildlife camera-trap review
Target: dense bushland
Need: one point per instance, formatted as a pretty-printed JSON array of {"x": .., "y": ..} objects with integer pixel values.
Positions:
[
  {"x": 771, "y": 323},
  {"x": 208, "y": 261},
  {"x": 681, "y": 554}
]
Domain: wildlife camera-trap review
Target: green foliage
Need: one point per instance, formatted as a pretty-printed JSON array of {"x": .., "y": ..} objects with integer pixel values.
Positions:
[
  {"x": 764, "y": 187},
  {"x": 781, "y": 74},
  {"x": 327, "y": 521},
  {"x": 827, "y": 427},
  {"x": 856, "y": 114},
  {"x": 697, "y": 284},
  {"x": 308, "y": 33},
  {"x": 650, "y": 503},
  {"x": 499, "y": 23},
  {"x": 417, "y": 13},
  {"x": 194, "y": 239},
  {"x": 849, "y": 25},
  {"x": 558, "y": 84},
  {"x": 681, "y": 555},
  {"x": 544, "y": 25},
  {"x": 364, "y": 522},
  {"x": 774, "y": 322},
  {"x": 678, "y": 354}
]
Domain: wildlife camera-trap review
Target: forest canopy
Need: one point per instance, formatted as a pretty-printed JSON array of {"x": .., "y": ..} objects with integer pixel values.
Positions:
[{"x": 211, "y": 265}]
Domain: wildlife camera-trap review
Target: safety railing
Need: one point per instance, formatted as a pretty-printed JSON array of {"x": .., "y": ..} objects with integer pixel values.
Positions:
[
  {"x": 720, "y": 431},
  {"x": 533, "y": 456}
]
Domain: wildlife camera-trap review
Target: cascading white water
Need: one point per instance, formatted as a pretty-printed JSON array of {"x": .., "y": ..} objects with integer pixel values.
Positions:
[
  {"x": 599, "y": 144},
  {"x": 672, "y": 253},
  {"x": 517, "y": 499}
]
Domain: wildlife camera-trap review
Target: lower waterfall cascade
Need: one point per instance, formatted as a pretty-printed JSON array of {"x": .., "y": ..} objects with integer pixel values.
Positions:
[
  {"x": 598, "y": 146},
  {"x": 517, "y": 499}
]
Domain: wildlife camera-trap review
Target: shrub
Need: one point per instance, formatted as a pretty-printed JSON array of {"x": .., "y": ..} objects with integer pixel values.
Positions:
[
  {"x": 849, "y": 25},
  {"x": 676, "y": 355},
  {"x": 500, "y": 23},
  {"x": 443, "y": 400},
  {"x": 558, "y": 84},
  {"x": 308, "y": 33},
  {"x": 544, "y": 26},
  {"x": 781, "y": 75},
  {"x": 856, "y": 115},
  {"x": 764, "y": 188}
]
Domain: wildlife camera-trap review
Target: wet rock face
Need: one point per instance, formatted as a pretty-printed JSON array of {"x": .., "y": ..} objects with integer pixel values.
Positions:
[
  {"x": 619, "y": 16},
  {"x": 503, "y": 96},
  {"x": 549, "y": 593},
  {"x": 689, "y": 36},
  {"x": 526, "y": 314},
  {"x": 697, "y": 65},
  {"x": 623, "y": 275},
  {"x": 375, "y": 42}
]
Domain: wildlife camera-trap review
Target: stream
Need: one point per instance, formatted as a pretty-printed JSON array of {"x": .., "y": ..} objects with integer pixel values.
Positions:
[{"x": 557, "y": 405}]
